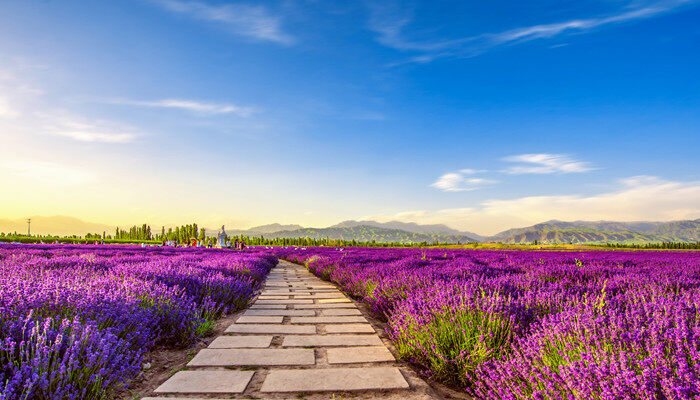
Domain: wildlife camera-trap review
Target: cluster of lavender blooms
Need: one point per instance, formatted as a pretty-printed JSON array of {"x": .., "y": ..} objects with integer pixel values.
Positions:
[
  {"x": 533, "y": 324},
  {"x": 76, "y": 321}
]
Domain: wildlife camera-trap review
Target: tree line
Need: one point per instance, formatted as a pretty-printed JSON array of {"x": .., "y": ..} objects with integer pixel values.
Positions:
[
  {"x": 326, "y": 242},
  {"x": 660, "y": 245}
]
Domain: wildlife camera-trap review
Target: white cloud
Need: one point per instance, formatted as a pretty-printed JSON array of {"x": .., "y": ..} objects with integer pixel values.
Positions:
[
  {"x": 460, "y": 181},
  {"x": 48, "y": 173},
  {"x": 639, "y": 198},
  {"x": 93, "y": 136},
  {"x": 389, "y": 23},
  {"x": 25, "y": 110},
  {"x": 7, "y": 111},
  {"x": 551, "y": 30},
  {"x": 189, "y": 105},
  {"x": 253, "y": 21},
  {"x": 544, "y": 163},
  {"x": 76, "y": 128}
]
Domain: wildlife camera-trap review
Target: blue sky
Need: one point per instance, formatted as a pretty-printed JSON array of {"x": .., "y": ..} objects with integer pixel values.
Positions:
[{"x": 480, "y": 115}]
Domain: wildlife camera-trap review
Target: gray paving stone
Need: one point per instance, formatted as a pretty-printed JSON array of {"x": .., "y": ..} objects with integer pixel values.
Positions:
[
  {"x": 283, "y": 302},
  {"x": 340, "y": 311},
  {"x": 333, "y": 379},
  {"x": 324, "y": 306},
  {"x": 327, "y": 301},
  {"x": 224, "y": 357},
  {"x": 336, "y": 295},
  {"x": 290, "y": 313},
  {"x": 327, "y": 320},
  {"x": 231, "y": 342},
  {"x": 179, "y": 398},
  {"x": 346, "y": 355},
  {"x": 248, "y": 319},
  {"x": 275, "y": 292},
  {"x": 261, "y": 297},
  {"x": 273, "y": 329},
  {"x": 350, "y": 328},
  {"x": 206, "y": 382},
  {"x": 268, "y": 306},
  {"x": 331, "y": 340}
]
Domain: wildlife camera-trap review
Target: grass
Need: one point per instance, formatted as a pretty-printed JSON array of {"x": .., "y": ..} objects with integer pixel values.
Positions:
[
  {"x": 455, "y": 343},
  {"x": 206, "y": 328}
]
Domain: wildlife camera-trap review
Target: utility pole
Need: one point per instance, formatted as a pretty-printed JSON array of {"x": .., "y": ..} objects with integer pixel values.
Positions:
[{"x": 29, "y": 225}]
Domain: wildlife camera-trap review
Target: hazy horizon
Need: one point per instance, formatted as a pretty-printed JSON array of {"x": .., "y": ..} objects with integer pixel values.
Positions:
[
  {"x": 479, "y": 116},
  {"x": 75, "y": 226}
]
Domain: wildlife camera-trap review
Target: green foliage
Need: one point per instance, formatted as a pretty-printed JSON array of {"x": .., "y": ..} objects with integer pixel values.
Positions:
[
  {"x": 455, "y": 342},
  {"x": 142, "y": 232}
]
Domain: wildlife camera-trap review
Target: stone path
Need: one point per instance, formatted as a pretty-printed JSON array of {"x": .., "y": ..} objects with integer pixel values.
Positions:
[{"x": 302, "y": 338}]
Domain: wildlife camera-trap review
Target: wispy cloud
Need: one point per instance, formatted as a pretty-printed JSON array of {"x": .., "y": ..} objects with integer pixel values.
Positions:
[
  {"x": 189, "y": 105},
  {"x": 81, "y": 131},
  {"x": 48, "y": 173},
  {"x": 460, "y": 181},
  {"x": 390, "y": 24},
  {"x": 546, "y": 164},
  {"x": 389, "y": 19},
  {"x": 253, "y": 21},
  {"x": 638, "y": 198},
  {"x": 6, "y": 110},
  {"x": 93, "y": 136}
]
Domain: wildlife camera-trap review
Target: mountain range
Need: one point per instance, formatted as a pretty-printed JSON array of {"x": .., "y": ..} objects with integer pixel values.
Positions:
[
  {"x": 551, "y": 232},
  {"x": 54, "y": 225}
]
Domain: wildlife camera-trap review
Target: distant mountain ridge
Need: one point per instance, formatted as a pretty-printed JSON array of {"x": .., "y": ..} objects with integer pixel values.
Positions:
[
  {"x": 436, "y": 229},
  {"x": 550, "y": 232},
  {"x": 557, "y": 232},
  {"x": 366, "y": 233},
  {"x": 54, "y": 225}
]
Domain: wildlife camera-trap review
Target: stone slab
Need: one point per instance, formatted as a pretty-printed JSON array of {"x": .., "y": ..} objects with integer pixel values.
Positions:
[
  {"x": 324, "y": 306},
  {"x": 326, "y": 301},
  {"x": 268, "y": 306},
  {"x": 331, "y": 340},
  {"x": 340, "y": 312},
  {"x": 273, "y": 297},
  {"x": 231, "y": 342},
  {"x": 289, "y": 313},
  {"x": 180, "y": 398},
  {"x": 284, "y": 302},
  {"x": 349, "y": 328},
  {"x": 226, "y": 357},
  {"x": 336, "y": 295},
  {"x": 333, "y": 379},
  {"x": 206, "y": 382},
  {"x": 273, "y": 329},
  {"x": 346, "y": 355},
  {"x": 253, "y": 319},
  {"x": 327, "y": 320}
]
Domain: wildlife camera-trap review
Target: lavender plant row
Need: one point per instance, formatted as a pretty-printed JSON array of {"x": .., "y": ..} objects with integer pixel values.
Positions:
[
  {"x": 76, "y": 321},
  {"x": 533, "y": 325}
]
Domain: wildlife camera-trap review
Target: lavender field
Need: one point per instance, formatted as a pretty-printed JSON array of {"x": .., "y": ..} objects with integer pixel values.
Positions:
[
  {"x": 533, "y": 325},
  {"x": 76, "y": 321}
]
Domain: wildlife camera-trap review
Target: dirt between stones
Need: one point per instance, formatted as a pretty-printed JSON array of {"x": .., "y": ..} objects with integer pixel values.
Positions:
[{"x": 165, "y": 362}]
